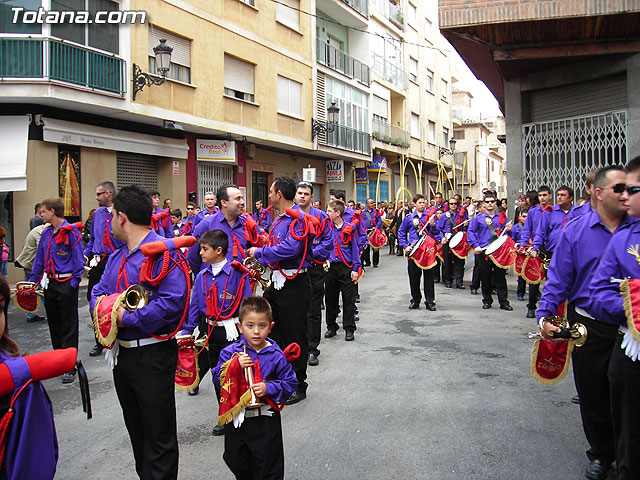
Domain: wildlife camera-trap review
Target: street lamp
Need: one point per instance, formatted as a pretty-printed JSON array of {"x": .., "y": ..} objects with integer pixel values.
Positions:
[
  {"x": 333, "y": 116},
  {"x": 442, "y": 151},
  {"x": 163, "y": 62}
]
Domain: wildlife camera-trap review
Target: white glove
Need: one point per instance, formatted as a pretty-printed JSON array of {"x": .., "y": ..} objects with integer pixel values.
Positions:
[
  {"x": 111, "y": 355},
  {"x": 278, "y": 280},
  {"x": 630, "y": 346},
  {"x": 44, "y": 283},
  {"x": 238, "y": 419},
  {"x": 94, "y": 261}
]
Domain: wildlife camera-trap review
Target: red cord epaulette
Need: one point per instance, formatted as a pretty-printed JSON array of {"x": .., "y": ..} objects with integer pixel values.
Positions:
[
  {"x": 238, "y": 266},
  {"x": 63, "y": 232}
]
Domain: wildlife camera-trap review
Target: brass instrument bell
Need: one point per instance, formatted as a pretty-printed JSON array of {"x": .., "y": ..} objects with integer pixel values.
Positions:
[
  {"x": 576, "y": 332},
  {"x": 136, "y": 296},
  {"x": 258, "y": 270},
  {"x": 248, "y": 375}
]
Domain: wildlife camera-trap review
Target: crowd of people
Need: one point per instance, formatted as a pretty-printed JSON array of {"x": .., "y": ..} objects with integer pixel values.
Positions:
[{"x": 202, "y": 270}]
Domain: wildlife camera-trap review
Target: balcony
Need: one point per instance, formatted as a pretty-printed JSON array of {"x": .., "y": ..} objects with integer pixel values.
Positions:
[
  {"x": 347, "y": 138},
  {"x": 387, "y": 133},
  {"x": 52, "y": 59},
  {"x": 361, "y": 6},
  {"x": 390, "y": 11},
  {"x": 339, "y": 61},
  {"x": 390, "y": 72}
]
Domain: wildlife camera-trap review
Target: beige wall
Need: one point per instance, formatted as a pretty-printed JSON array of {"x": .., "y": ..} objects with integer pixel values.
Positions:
[
  {"x": 95, "y": 166},
  {"x": 173, "y": 186}
]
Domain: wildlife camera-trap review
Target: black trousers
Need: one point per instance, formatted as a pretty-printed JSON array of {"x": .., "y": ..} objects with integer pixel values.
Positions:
[
  {"x": 144, "y": 380},
  {"x": 314, "y": 315},
  {"x": 590, "y": 367},
  {"x": 437, "y": 270},
  {"x": 522, "y": 287},
  {"x": 475, "y": 277},
  {"x": 338, "y": 281},
  {"x": 61, "y": 305},
  {"x": 624, "y": 379},
  {"x": 492, "y": 276},
  {"x": 452, "y": 266},
  {"x": 415, "y": 273},
  {"x": 255, "y": 450},
  {"x": 366, "y": 255},
  {"x": 534, "y": 292},
  {"x": 290, "y": 306},
  {"x": 209, "y": 358}
]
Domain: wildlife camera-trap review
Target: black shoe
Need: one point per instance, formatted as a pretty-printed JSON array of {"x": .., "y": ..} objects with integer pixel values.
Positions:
[
  {"x": 507, "y": 307},
  {"x": 296, "y": 397},
  {"x": 575, "y": 399},
  {"x": 597, "y": 470},
  {"x": 357, "y": 298},
  {"x": 69, "y": 377},
  {"x": 447, "y": 285},
  {"x": 36, "y": 318},
  {"x": 356, "y": 317},
  {"x": 460, "y": 287},
  {"x": 430, "y": 306},
  {"x": 96, "y": 350},
  {"x": 436, "y": 280},
  {"x": 494, "y": 291},
  {"x": 399, "y": 254},
  {"x": 521, "y": 298},
  {"x": 414, "y": 306},
  {"x": 313, "y": 359},
  {"x": 531, "y": 313},
  {"x": 194, "y": 392},
  {"x": 486, "y": 306},
  {"x": 329, "y": 334},
  {"x": 218, "y": 431},
  {"x": 366, "y": 264},
  {"x": 375, "y": 266},
  {"x": 474, "y": 291},
  {"x": 348, "y": 336}
]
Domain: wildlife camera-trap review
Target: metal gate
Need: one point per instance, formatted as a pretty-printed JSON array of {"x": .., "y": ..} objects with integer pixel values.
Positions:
[
  {"x": 212, "y": 176},
  {"x": 134, "y": 168},
  {"x": 562, "y": 152}
]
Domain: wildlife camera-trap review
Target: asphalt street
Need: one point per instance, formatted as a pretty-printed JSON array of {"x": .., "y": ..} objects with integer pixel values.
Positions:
[{"x": 417, "y": 395}]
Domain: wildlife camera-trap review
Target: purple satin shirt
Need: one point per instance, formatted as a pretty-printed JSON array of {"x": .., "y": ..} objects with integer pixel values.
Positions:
[
  {"x": 619, "y": 261},
  {"x": 32, "y": 444},
  {"x": 322, "y": 240},
  {"x": 100, "y": 226},
  {"x": 580, "y": 210},
  {"x": 276, "y": 371},
  {"x": 548, "y": 230},
  {"x": 283, "y": 249},
  {"x": 166, "y": 302},
  {"x": 202, "y": 214},
  {"x": 575, "y": 262},
  {"x": 531, "y": 223},
  {"x": 227, "y": 283},
  {"x": 480, "y": 234},
  {"x": 408, "y": 229},
  {"x": 57, "y": 257},
  {"x": 371, "y": 219},
  {"x": 348, "y": 254},
  {"x": 167, "y": 227},
  {"x": 263, "y": 219},
  {"x": 362, "y": 232},
  {"x": 444, "y": 223}
]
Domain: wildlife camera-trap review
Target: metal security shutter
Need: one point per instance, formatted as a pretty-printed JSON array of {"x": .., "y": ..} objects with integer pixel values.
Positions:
[
  {"x": 133, "y": 168},
  {"x": 211, "y": 177},
  {"x": 585, "y": 98}
]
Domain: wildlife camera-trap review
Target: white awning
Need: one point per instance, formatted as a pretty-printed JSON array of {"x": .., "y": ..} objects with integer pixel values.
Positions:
[
  {"x": 14, "y": 136},
  {"x": 71, "y": 133}
]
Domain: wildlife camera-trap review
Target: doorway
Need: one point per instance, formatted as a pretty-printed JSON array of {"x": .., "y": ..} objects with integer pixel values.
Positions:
[{"x": 259, "y": 188}]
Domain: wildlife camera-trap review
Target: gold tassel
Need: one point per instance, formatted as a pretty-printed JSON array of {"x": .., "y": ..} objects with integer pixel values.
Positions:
[{"x": 625, "y": 291}]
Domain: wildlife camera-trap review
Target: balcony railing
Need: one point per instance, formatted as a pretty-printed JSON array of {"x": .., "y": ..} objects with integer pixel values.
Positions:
[
  {"x": 390, "y": 11},
  {"x": 386, "y": 133},
  {"x": 341, "y": 62},
  {"x": 347, "y": 138},
  {"x": 52, "y": 59},
  {"x": 361, "y": 6},
  {"x": 389, "y": 72}
]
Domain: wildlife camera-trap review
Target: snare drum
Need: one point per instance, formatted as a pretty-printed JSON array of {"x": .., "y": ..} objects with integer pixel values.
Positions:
[{"x": 501, "y": 251}]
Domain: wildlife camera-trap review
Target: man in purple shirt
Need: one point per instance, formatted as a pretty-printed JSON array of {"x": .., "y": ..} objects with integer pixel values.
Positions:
[
  {"x": 553, "y": 221},
  {"x": 321, "y": 250},
  {"x": 289, "y": 254},
  {"x": 371, "y": 219},
  {"x": 101, "y": 243},
  {"x": 621, "y": 260},
  {"x": 165, "y": 220},
  {"x": 58, "y": 266},
  {"x": 574, "y": 263},
  {"x": 210, "y": 207},
  {"x": 449, "y": 224},
  {"x": 144, "y": 356},
  {"x": 262, "y": 216},
  {"x": 408, "y": 234},
  {"x": 484, "y": 229}
]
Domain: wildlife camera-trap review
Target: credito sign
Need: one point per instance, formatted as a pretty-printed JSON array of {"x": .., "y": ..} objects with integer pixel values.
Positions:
[{"x": 219, "y": 151}]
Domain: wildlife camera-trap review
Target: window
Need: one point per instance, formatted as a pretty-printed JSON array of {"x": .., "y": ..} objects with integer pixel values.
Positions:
[
  {"x": 6, "y": 18},
  {"x": 102, "y": 36},
  {"x": 383, "y": 192},
  {"x": 288, "y": 13},
  {"x": 353, "y": 104},
  {"x": 413, "y": 70},
  {"x": 444, "y": 90},
  {"x": 379, "y": 106},
  {"x": 431, "y": 132},
  {"x": 428, "y": 25},
  {"x": 248, "y": 2},
  {"x": 412, "y": 16},
  {"x": 238, "y": 78},
  {"x": 361, "y": 192},
  {"x": 429, "y": 81},
  {"x": 445, "y": 137},
  {"x": 289, "y": 97},
  {"x": 459, "y": 134},
  {"x": 415, "y": 125},
  {"x": 180, "y": 68}
]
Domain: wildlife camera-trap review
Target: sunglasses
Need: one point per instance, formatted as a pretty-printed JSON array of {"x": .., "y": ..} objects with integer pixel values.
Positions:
[
  {"x": 304, "y": 184},
  {"x": 100, "y": 193},
  {"x": 453, "y": 203},
  {"x": 489, "y": 201},
  {"x": 621, "y": 187}
]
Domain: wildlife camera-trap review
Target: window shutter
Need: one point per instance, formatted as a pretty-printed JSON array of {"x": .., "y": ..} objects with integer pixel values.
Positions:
[
  {"x": 238, "y": 75},
  {"x": 181, "y": 54},
  {"x": 380, "y": 107},
  {"x": 288, "y": 16},
  {"x": 415, "y": 125}
]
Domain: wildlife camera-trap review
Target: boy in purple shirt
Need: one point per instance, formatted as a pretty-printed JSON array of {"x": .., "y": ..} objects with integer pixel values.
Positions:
[{"x": 254, "y": 449}]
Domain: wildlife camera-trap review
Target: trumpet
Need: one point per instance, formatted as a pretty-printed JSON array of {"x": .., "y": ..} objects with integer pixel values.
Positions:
[
  {"x": 576, "y": 332},
  {"x": 248, "y": 375},
  {"x": 136, "y": 296},
  {"x": 256, "y": 270},
  {"x": 30, "y": 287}
]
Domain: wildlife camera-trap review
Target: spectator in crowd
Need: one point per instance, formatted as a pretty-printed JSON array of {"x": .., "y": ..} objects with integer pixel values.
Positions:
[
  {"x": 86, "y": 231},
  {"x": 5, "y": 252},
  {"x": 166, "y": 205},
  {"x": 37, "y": 219}
]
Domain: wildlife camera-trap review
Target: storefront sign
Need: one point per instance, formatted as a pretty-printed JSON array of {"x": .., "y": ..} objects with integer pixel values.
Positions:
[
  {"x": 362, "y": 175},
  {"x": 220, "y": 151},
  {"x": 309, "y": 175},
  {"x": 378, "y": 164},
  {"x": 335, "y": 171},
  {"x": 176, "y": 167}
]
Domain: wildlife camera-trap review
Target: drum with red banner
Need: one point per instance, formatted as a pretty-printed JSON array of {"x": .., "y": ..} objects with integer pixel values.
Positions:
[
  {"x": 501, "y": 251},
  {"x": 27, "y": 297},
  {"x": 459, "y": 245},
  {"x": 424, "y": 255},
  {"x": 521, "y": 256},
  {"x": 533, "y": 271},
  {"x": 377, "y": 239}
]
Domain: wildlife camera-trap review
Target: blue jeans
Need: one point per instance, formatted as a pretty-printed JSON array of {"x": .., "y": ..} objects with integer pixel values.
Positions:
[{"x": 27, "y": 274}]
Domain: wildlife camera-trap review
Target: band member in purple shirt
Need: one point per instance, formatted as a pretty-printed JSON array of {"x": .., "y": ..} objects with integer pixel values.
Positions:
[
  {"x": 262, "y": 216},
  {"x": 210, "y": 207},
  {"x": 144, "y": 358},
  {"x": 57, "y": 267},
  {"x": 289, "y": 253},
  {"x": 371, "y": 218},
  {"x": 553, "y": 221},
  {"x": 484, "y": 229},
  {"x": 621, "y": 259},
  {"x": 573, "y": 265},
  {"x": 164, "y": 220},
  {"x": 408, "y": 234},
  {"x": 101, "y": 243},
  {"x": 450, "y": 223}
]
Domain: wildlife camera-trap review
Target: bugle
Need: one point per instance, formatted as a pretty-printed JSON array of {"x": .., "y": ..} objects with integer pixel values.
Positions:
[
  {"x": 248, "y": 375},
  {"x": 256, "y": 270}
]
